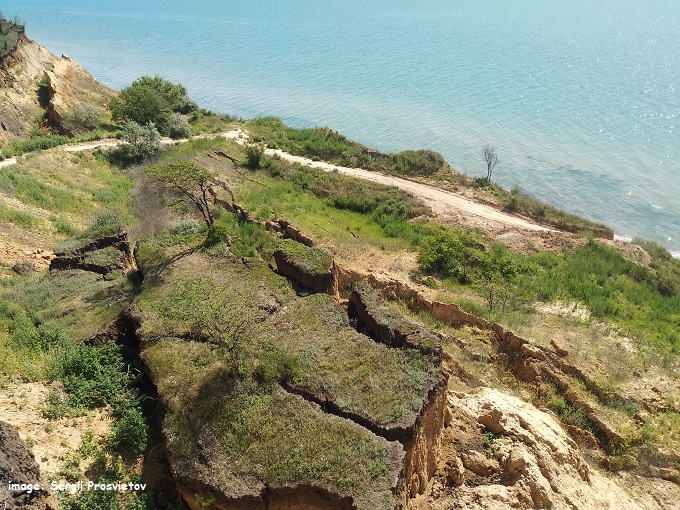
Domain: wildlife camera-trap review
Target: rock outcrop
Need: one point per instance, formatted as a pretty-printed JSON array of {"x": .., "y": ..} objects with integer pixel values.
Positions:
[
  {"x": 35, "y": 84},
  {"x": 18, "y": 469},
  {"x": 521, "y": 459},
  {"x": 310, "y": 267},
  {"x": 102, "y": 255}
]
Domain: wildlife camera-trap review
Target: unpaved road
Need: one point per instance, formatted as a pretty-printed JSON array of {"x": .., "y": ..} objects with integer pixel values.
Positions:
[{"x": 442, "y": 202}]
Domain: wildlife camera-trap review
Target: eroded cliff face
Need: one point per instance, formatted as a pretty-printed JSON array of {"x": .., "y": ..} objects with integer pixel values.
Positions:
[
  {"x": 37, "y": 87},
  {"x": 20, "y": 103},
  {"x": 524, "y": 460}
]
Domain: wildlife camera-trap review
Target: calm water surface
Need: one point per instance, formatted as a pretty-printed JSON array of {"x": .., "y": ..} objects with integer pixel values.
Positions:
[{"x": 581, "y": 98}]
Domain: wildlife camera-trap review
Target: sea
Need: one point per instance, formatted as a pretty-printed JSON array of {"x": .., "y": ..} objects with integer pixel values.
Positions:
[{"x": 580, "y": 98}]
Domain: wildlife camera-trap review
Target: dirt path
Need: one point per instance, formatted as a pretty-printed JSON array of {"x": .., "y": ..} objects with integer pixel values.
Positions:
[{"x": 441, "y": 201}]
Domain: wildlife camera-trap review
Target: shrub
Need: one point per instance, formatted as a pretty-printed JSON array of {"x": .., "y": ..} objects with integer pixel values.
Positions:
[
  {"x": 85, "y": 117},
  {"x": 178, "y": 126},
  {"x": 254, "y": 153},
  {"x": 143, "y": 142},
  {"x": 103, "y": 224},
  {"x": 129, "y": 434},
  {"x": 451, "y": 252},
  {"x": 153, "y": 100},
  {"x": 420, "y": 162},
  {"x": 93, "y": 376}
]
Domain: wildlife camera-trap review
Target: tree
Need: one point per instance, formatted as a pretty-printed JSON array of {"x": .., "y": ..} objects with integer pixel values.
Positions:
[
  {"x": 143, "y": 142},
  {"x": 187, "y": 187},
  {"x": 490, "y": 155},
  {"x": 84, "y": 117},
  {"x": 154, "y": 100}
]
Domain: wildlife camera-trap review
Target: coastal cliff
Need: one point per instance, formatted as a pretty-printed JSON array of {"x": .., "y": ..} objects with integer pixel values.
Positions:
[
  {"x": 299, "y": 352},
  {"x": 40, "y": 90}
]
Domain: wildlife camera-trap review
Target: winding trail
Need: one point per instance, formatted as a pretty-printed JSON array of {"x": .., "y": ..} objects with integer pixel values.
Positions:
[{"x": 442, "y": 202}]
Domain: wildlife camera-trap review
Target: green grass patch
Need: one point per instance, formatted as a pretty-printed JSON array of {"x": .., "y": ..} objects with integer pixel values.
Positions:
[
  {"x": 102, "y": 257},
  {"x": 22, "y": 185},
  {"x": 18, "y": 218},
  {"x": 247, "y": 430},
  {"x": 63, "y": 225},
  {"x": 385, "y": 385},
  {"x": 311, "y": 259},
  {"x": 19, "y": 147},
  {"x": 204, "y": 121},
  {"x": 79, "y": 302},
  {"x": 328, "y": 145},
  {"x": 641, "y": 301}
]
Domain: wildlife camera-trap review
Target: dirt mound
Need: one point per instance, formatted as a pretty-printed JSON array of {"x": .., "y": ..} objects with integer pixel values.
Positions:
[{"x": 18, "y": 469}]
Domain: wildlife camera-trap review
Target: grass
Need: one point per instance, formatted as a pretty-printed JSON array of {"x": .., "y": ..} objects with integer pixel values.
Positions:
[
  {"x": 39, "y": 319},
  {"x": 328, "y": 145},
  {"x": 214, "y": 321},
  {"x": 204, "y": 121},
  {"x": 18, "y": 218},
  {"x": 79, "y": 302},
  {"x": 103, "y": 257},
  {"x": 643, "y": 302},
  {"x": 22, "y": 185},
  {"x": 311, "y": 259},
  {"x": 251, "y": 431},
  {"x": 64, "y": 184},
  {"x": 385, "y": 385}
]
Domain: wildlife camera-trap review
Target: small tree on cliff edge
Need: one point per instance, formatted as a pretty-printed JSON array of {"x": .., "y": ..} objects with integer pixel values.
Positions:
[
  {"x": 490, "y": 155},
  {"x": 186, "y": 187}
]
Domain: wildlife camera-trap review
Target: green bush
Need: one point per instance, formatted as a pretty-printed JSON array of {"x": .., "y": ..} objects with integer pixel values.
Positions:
[
  {"x": 93, "y": 376},
  {"x": 129, "y": 434},
  {"x": 178, "y": 126},
  {"x": 84, "y": 117},
  {"x": 416, "y": 163},
  {"x": 254, "y": 153},
  {"x": 142, "y": 143},
  {"x": 454, "y": 253},
  {"x": 104, "y": 223},
  {"x": 151, "y": 100}
]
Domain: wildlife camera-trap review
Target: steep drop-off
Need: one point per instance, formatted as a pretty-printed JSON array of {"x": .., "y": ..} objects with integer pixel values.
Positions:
[{"x": 38, "y": 88}]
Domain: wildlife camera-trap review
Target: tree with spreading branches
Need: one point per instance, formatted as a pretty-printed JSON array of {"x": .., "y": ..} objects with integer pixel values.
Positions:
[
  {"x": 490, "y": 155},
  {"x": 187, "y": 187}
]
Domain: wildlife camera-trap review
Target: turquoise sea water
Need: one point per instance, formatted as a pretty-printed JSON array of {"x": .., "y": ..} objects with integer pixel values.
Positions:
[{"x": 581, "y": 98}]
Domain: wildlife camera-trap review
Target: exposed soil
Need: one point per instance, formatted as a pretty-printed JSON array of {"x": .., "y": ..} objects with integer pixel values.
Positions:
[{"x": 21, "y": 405}]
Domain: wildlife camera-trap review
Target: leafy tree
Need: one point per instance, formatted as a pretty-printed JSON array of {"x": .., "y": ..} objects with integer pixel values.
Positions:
[
  {"x": 176, "y": 95},
  {"x": 151, "y": 99},
  {"x": 85, "y": 117},
  {"x": 187, "y": 187}
]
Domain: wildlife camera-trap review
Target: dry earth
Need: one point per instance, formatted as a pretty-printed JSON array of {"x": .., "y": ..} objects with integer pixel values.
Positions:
[
  {"x": 501, "y": 453},
  {"x": 21, "y": 405}
]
